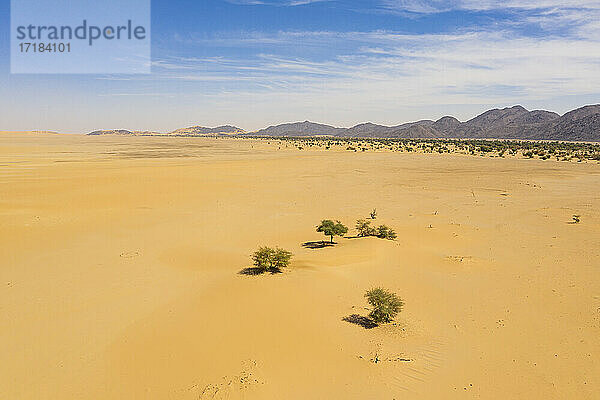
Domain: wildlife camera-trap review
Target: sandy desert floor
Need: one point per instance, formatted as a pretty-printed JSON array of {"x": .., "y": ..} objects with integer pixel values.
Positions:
[{"x": 120, "y": 256}]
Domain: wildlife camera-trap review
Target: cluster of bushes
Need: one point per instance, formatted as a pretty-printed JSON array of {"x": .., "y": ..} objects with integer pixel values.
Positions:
[
  {"x": 385, "y": 305},
  {"x": 267, "y": 259},
  {"x": 333, "y": 228},
  {"x": 364, "y": 228}
]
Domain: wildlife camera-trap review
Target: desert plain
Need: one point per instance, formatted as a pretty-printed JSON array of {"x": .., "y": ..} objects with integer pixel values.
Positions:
[{"x": 120, "y": 260}]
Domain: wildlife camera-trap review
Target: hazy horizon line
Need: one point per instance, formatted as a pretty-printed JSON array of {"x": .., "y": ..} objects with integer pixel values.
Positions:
[{"x": 296, "y": 121}]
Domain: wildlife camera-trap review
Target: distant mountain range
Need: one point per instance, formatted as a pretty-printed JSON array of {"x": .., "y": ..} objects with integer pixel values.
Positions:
[{"x": 582, "y": 124}]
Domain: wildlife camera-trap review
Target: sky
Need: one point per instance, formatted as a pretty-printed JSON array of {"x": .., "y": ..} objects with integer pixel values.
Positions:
[{"x": 255, "y": 63}]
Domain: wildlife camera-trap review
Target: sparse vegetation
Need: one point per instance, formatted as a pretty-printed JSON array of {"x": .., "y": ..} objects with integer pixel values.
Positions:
[
  {"x": 373, "y": 213},
  {"x": 386, "y": 305},
  {"x": 576, "y": 219},
  {"x": 332, "y": 228},
  {"x": 541, "y": 150}
]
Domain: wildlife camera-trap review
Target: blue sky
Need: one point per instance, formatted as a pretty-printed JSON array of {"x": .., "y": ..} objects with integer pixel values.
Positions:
[{"x": 256, "y": 63}]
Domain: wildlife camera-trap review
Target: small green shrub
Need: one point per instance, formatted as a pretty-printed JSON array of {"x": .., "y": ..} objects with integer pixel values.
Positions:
[
  {"x": 386, "y": 305},
  {"x": 385, "y": 232}
]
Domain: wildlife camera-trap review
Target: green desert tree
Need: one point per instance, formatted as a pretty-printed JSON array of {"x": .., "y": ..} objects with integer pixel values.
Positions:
[
  {"x": 364, "y": 228},
  {"x": 385, "y": 232},
  {"x": 268, "y": 259},
  {"x": 331, "y": 228},
  {"x": 386, "y": 305}
]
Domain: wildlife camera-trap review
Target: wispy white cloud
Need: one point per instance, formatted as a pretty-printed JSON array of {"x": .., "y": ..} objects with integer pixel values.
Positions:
[
  {"x": 392, "y": 68},
  {"x": 434, "y": 6},
  {"x": 579, "y": 17}
]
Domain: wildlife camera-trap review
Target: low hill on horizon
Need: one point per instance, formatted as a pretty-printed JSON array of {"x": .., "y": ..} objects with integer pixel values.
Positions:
[
  {"x": 305, "y": 128},
  {"x": 191, "y": 131},
  {"x": 516, "y": 122}
]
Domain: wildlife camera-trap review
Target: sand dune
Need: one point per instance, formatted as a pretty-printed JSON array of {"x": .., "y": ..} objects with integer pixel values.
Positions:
[{"x": 120, "y": 261}]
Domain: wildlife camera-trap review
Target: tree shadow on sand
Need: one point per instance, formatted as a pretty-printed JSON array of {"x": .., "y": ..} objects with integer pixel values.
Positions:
[
  {"x": 359, "y": 320},
  {"x": 253, "y": 271},
  {"x": 317, "y": 245}
]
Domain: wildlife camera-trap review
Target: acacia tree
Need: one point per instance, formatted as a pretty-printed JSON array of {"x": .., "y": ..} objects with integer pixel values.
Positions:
[
  {"x": 266, "y": 258},
  {"x": 386, "y": 305},
  {"x": 331, "y": 228}
]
